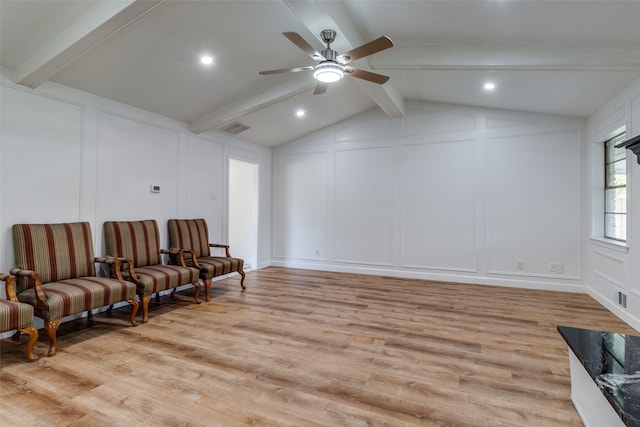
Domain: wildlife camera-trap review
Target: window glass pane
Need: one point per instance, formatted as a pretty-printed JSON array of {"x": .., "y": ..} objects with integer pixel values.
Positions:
[
  {"x": 615, "y": 200},
  {"x": 617, "y": 173},
  {"x": 613, "y": 154},
  {"x": 615, "y": 226},
  {"x": 615, "y": 191}
]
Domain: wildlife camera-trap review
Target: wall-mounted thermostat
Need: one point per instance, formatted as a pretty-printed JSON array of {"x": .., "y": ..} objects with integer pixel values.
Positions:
[{"x": 155, "y": 188}]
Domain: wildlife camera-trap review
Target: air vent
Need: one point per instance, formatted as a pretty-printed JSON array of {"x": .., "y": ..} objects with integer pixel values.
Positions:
[
  {"x": 234, "y": 128},
  {"x": 622, "y": 299}
]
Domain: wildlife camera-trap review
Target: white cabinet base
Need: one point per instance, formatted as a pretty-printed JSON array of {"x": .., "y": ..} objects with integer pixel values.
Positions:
[{"x": 594, "y": 409}]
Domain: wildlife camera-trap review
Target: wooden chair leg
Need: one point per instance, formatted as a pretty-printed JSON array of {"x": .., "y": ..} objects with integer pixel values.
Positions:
[
  {"x": 90, "y": 315},
  {"x": 146, "y": 299},
  {"x": 196, "y": 297},
  {"x": 33, "y": 337},
  {"x": 16, "y": 336},
  {"x": 52, "y": 328},
  {"x": 134, "y": 311},
  {"x": 207, "y": 289},
  {"x": 242, "y": 273}
]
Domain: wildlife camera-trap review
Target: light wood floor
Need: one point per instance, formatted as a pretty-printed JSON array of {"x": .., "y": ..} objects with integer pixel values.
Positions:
[{"x": 304, "y": 348}]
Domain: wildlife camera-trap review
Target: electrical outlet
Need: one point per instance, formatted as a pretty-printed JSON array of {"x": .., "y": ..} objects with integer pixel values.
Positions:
[
  {"x": 317, "y": 251},
  {"x": 556, "y": 268},
  {"x": 520, "y": 265}
]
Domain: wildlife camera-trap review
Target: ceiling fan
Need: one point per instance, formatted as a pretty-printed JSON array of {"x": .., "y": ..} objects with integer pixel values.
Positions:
[{"x": 332, "y": 66}]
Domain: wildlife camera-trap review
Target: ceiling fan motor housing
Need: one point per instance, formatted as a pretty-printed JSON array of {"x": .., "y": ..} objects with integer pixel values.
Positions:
[{"x": 330, "y": 54}]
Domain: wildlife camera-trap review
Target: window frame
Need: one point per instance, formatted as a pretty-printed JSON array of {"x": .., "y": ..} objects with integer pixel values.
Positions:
[{"x": 609, "y": 146}]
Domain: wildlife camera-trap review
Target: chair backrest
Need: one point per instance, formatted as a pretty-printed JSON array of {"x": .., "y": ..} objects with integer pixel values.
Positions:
[
  {"x": 54, "y": 251},
  {"x": 136, "y": 240},
  {"x": 190, "y": 234}
]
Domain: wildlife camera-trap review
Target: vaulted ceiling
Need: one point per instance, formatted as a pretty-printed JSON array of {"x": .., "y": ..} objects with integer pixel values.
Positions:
[{"x": 558, "y": 57}]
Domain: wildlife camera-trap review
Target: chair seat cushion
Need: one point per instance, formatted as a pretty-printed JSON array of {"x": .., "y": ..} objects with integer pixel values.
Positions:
[
  {"x": 158, "y": 278},
  {"x": 14, "y": 315},
  {"x": 73, "y": 296},
  {"x": 212, "y": 266}
]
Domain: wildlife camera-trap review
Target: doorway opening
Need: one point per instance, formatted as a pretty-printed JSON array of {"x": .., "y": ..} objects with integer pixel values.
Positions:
[{"x": 243, "y": 212}]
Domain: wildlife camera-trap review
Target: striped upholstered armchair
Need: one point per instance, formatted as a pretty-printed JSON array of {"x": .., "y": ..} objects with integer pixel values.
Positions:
[
  {"x": 17, "y": 316},
  {"x": 56, "y": 274},
  {"x": 192, "y": 235},
  {"x": 137, "y": 243}
]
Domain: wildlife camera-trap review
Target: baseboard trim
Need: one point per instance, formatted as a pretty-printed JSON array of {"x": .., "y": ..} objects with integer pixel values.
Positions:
[
  {"x": 459, "y": 277},
  {"x": 625, "y": 316}
]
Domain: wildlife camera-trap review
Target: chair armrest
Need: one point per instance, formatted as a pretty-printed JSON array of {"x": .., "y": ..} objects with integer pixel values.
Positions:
[
  {"x": 10, "y": 290},
  {"x": 187, "y": 254},
  {"x": 41, "y": 298},
  {"x": 114, "y": 263},
  {"x": 220, "y": 245},
  {"x": 177, "y": 253}
]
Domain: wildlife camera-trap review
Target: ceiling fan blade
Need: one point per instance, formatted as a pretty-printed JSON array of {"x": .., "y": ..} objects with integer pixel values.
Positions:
[
  {"x": 377, "y": 45},
  {"x": 320, "y": 88},
  {"x": 286, "y": 70},
  {"x": 297, "y": 39},
  {"x": 366, "y": 75}
]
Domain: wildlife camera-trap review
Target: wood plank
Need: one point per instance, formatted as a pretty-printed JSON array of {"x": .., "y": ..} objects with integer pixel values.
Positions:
[{"x": 310, "y": 348}]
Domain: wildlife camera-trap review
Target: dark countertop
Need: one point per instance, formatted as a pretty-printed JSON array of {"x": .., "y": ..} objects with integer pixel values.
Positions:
[{"x": 613, "y": 362}]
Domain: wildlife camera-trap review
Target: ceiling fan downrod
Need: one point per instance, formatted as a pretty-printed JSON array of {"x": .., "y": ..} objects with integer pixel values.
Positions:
[{"x": 328, "y": 37}]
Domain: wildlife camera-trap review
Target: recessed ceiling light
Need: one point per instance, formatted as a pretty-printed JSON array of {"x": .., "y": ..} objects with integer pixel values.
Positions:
[
  {"x": 206, "y": 59},
  {"x": 489, "y": 86},
  {"x": 300, "y": 113}
]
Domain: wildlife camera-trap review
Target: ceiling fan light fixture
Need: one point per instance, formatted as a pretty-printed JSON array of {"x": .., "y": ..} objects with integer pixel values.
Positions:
[{"x": 328, "y": 72}]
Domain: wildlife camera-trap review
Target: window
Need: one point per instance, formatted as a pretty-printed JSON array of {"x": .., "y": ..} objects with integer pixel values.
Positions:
[{"x": 615, "y": 189}]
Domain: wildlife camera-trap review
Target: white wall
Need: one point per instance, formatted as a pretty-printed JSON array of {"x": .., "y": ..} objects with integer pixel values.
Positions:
[
  {"x": 613, "y": 267},
  {"x": 447, "y": 192},
  {"x": 69, "y": 156}
]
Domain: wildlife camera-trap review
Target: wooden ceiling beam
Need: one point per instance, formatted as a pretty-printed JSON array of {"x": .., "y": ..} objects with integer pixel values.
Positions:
[
  {"x": 434, "y": 56},
  {"x": 98, "y": 24}
]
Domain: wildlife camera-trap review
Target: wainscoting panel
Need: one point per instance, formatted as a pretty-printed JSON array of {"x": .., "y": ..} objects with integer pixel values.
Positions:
[
  {"x": 205, "y": 191},
  {"x": 132, "y": 156},
  {"x": 533, "y": 196},
  {"x": 370, "y": 125},
  {"x": 439, "y": 206},
  {"x": 457, "y": 193},
  {"x": 437, "y": 120},
  {"x": 300, "y": 207},
  {"x": 364, "y": 206},
  {"x": 41, "y": 169},
  {"x": 609, "y": 267}
]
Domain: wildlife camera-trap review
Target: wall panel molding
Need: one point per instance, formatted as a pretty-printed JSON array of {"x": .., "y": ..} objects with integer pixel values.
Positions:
[
  {"x": 363, "y": 200},
  {"x": 438, "y": 204},
  {"x": 609, "y": 256},
  {"x": 441, "y": 166}
]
